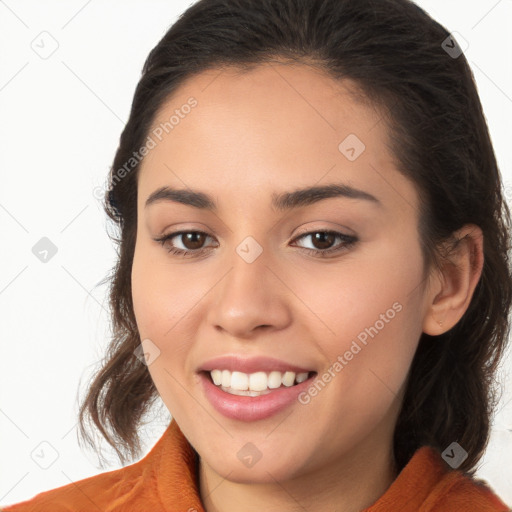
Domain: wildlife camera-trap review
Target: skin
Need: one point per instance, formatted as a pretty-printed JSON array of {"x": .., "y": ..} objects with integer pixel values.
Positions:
[{"x": 275, "y": 129}]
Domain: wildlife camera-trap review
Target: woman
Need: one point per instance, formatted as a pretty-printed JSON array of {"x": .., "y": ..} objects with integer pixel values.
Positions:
[{"x": 313, "y": 271}]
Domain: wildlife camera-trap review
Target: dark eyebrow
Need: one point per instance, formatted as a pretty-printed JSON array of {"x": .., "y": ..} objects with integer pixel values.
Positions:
[
  {"x": 306, "y": 196},
  {"x": 281, "y": 202}
]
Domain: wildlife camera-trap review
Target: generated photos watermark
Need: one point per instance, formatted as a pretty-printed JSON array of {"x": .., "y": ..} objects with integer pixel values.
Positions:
[{"x": 343, "y": 360}]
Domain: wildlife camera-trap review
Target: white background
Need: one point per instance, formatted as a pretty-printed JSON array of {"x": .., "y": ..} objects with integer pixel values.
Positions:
[{"x": 61, "y": 119}]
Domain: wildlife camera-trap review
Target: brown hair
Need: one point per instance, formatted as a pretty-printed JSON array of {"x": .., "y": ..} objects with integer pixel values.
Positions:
[{"x": 396, "y": 55}]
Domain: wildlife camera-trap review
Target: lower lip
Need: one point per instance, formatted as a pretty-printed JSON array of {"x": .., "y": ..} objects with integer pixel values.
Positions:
[{"x": 247, "y": 408}]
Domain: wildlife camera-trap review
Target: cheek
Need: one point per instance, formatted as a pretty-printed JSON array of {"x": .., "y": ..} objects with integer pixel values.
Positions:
[
  {"x": 369, "y": 359},
  {"x": 161, "y": 302},
  {"x": 350, "y": 297},
  {"x": 161, "y": 295},
  {"x": 167, "y": 303},
  {"x": 370, "y": 317}
]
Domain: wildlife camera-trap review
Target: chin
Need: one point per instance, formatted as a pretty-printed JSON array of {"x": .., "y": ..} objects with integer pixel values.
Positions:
[
  {"x": 264, "y": 474},
  {"x": 261, "y": 472}
]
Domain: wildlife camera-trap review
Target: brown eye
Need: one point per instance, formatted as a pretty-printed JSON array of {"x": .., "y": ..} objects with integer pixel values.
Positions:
[
  {"x": 191, "y": 243},
  {"x": 193, "y": 240},
  {"x": 323, "y": 240}
]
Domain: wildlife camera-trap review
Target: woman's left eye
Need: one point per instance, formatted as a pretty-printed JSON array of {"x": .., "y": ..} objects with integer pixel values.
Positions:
[
  {"x": 323, "y": 238},
  {"x": 192, "y": 242}
]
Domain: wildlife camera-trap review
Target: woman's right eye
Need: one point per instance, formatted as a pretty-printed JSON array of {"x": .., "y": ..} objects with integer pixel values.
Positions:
[{"x": 193, "y": 238}]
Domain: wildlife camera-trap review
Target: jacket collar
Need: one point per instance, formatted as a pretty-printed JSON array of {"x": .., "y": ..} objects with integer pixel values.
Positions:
[{"x": 424, "y": 481}]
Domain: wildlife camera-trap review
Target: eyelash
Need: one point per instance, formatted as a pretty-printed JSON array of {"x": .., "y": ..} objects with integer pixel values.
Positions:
[{"x": 349, "y": 241}]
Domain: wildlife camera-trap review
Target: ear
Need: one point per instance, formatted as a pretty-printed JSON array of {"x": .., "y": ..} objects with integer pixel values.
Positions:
[{"x": 457, "y": 280}]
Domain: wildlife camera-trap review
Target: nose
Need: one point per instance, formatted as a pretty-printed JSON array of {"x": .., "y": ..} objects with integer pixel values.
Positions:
[{"x": 249, "y": 298}]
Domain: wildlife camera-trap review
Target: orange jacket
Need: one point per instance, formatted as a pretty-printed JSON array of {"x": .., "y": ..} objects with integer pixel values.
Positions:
[{"x": 165, "y": 480}]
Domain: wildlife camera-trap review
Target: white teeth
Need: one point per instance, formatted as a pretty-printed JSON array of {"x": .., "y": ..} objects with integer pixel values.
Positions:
[
  {"x": 226, "y": 378},
  {"x": 216, "y": 377},
  {"x": 258, "y": 381},
  {"x": 301, "y": 377},
  {"x": 289, "y": 379},
  {"x": 240, "y": 381},
  {"x": 275, "y": 379},
  {"x": 255, "y": 383}
]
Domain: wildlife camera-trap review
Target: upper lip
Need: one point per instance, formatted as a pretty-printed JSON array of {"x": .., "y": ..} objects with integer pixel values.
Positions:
[{"x": 250, "y": 364}]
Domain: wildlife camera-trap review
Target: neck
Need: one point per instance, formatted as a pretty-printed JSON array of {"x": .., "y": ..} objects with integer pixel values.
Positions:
[{"x": 349, "y": 485}]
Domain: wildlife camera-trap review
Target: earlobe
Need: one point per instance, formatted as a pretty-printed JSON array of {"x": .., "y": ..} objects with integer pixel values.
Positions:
[{"x": 460, "y": 274}]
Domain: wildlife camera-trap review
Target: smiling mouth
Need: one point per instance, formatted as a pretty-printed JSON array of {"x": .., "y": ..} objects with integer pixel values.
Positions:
[{"x": 255, "y": 384}]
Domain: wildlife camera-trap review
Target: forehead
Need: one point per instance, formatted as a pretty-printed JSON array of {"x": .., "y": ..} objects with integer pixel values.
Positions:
[
  {"x": 272, "y": 126},
  {"x": 291, "y": 87}
]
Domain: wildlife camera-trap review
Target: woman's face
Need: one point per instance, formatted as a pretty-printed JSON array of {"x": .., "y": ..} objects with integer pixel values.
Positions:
[{"x": 255, "y": 287}]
